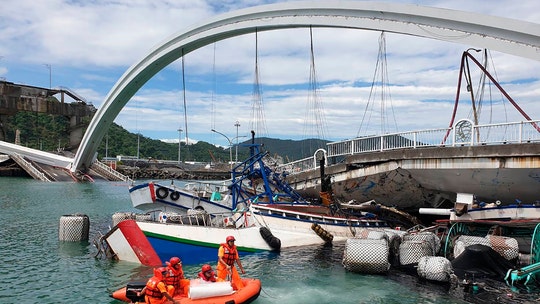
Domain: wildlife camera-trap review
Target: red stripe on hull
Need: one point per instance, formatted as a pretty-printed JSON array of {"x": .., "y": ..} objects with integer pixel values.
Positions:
[
  {"x": 152, "y": 192},
  {"x": 139, "y": 243}
]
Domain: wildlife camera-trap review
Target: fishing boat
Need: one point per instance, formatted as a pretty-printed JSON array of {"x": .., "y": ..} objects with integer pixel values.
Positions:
[
  {"x": 266, "y": 215},
  {"x": 199, "y": 292},
  {"x": 260, "y": 227},
  {"x": 209, "y": 196}
]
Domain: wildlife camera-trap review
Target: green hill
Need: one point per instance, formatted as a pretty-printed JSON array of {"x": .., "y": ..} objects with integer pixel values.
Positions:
[
  {"x": 50, "y": 132},
  {"x": 122, "y": 142}
]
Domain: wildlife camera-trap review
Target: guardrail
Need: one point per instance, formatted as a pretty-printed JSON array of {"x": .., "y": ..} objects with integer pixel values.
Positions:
[
  {"x": 29, "y": 168},
  {"x": 110, "y": 172},
  {"x": 464, "y": 133},
  {"x": 72, "y": 93}
]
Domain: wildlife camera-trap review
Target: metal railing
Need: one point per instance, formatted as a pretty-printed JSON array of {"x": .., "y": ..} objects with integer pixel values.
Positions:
[
  {"x": 74, "y": 95},
  {"x": 464, "y": 133},
  {"x": 110, "y": 172},
  {"x": 29, "y": 168}
]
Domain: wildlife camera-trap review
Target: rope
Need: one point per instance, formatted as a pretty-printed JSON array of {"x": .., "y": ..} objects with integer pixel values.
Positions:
[
  {"x": 315, "y": 121},
  {"x": 267, "y": 294},
  {"x": 257, "y": 220},
  {"x": 380, "y": 78},
  {"x": 258, "y": 122}
]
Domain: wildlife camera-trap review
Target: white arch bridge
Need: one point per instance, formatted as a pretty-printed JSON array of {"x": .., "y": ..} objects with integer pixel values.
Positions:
[{"x": 496, "y": 33}]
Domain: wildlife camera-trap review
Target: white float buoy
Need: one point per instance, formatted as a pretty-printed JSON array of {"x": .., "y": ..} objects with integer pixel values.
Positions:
[
  {"x": 410, "y": 252},
  {"x": 122, "y": 216},
  {"x": 435, "y": 268},
  {"x": 366, "y": 255},
  {"x": 464, "y": 241},
  {"x": 427, "y": 237},
  {"x": 507, "y": 247},
  {"x": 74, "y": 228}
]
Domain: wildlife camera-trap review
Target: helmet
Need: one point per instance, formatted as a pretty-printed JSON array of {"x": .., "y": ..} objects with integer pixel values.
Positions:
[
  {"x": 230, "y": 238},
  {"x": 174, "y": 260},
  {"x": 160, "y": 272},
  {"x": 206, "y": 267}
]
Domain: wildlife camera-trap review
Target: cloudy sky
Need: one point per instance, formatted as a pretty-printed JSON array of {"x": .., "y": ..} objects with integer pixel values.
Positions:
[{"x": 87, "y": 45}]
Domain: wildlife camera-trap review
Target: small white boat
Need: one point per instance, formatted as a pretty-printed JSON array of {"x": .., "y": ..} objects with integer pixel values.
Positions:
[
  {"x": 466, "y": 209},
  {"x": 212, "y": 197}
]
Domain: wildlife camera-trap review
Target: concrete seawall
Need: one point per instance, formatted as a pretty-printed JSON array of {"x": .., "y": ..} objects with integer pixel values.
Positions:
[{"x": 173, "y": 173}]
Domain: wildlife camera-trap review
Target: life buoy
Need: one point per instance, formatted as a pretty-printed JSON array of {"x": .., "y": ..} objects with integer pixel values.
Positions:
[
  {"x": 162, "y": 192},
  {"x": 270, "y": 239},
  {"x": 175, "y": 195}
]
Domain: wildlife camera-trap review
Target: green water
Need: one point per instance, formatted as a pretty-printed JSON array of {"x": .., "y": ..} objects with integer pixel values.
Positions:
[{"x": 37, "y": 268}]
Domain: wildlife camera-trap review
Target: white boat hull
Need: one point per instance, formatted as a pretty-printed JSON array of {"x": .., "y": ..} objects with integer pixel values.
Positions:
[
  {"x": 170, "y": 198},
  {"x": 499, "y": 213}
]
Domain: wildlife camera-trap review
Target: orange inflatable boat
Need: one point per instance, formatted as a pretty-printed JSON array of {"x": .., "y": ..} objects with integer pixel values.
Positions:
[{"x": 215, "y": 293}]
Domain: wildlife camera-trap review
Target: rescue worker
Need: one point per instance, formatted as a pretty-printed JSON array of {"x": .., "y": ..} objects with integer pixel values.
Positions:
[
  {"x": 175, "y": 277},
  {"x": 227, "y": 255},
  {"x": 207, "y": 274},
  {"x": 156, "y": 291}
]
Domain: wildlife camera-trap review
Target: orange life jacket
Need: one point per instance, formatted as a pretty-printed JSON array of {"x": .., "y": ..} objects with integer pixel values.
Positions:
[
  {"x": 212, "y": 278},
  {"x": 151, "y": 288},
  {"x": 229, "y": 254},
  {"x": 173, "y": 277}
]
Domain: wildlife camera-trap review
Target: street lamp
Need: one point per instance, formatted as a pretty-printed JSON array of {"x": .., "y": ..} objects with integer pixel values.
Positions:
[
  {"x": 179, "y": 143},
  {"x": 230, "y": 145},
  {"x": 236, "y": 124}
]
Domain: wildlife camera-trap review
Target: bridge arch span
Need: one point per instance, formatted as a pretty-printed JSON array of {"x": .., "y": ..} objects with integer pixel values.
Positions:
[{"x": 505, "y": 35}]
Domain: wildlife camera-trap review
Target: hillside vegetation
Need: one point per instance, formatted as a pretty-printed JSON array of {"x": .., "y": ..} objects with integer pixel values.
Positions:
[{"x": 49, "y": 133}]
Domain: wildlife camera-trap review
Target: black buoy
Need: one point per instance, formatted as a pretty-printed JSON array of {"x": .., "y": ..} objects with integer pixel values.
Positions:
[{"x": 270, "y": 239}]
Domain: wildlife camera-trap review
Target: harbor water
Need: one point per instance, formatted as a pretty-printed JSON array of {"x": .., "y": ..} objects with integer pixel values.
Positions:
[{"x": 38, "y": 268}]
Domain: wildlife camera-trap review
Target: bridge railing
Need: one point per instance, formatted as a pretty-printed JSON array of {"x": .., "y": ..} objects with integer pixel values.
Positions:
[
  {"x": 513, "y": 132},
  {"x": 74, "y": 95},
  {"x": 462, "y": 134},
  {"x": 394, "y": 141}
]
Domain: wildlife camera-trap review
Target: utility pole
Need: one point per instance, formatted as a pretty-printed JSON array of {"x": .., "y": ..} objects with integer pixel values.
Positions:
[
  {"x": 138, "y": 144},
  {"x": 179, "y": 146},
  {"x": 237, "y": 124}
]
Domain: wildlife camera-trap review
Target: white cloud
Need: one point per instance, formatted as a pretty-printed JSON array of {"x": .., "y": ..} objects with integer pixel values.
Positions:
[{"x": 90, "y": 44}]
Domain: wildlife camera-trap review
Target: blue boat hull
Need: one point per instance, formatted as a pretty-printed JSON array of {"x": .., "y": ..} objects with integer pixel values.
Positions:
[{"x": 189, "y": 253}]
